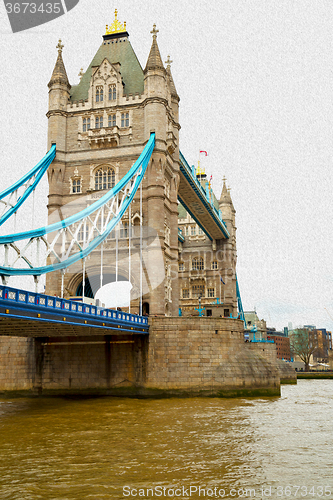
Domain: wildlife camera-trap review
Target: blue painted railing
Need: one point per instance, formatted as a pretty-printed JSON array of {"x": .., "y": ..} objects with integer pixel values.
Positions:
[
  {"x": 262, "y": 341},
  {"x": 24, "y": 299}
]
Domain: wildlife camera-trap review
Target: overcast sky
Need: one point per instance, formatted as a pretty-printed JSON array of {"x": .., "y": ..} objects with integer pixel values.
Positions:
[{"x": 255, "y": 81}]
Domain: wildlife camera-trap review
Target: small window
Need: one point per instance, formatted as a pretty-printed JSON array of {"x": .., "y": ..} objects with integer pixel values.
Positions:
[
  {"x": 198, "y": 264},
  {"x": 211, "y": 292},
  {"x": 76, "y": 186},
  {"x": 181, "y": 266},
  {"x": 200, "y": 231},
  {"x": 112, "y": 93},
  {"x": 193, "y": 231},
  {"x": 125, "y": 120},
  {"x": 104, "y": 179},
  {"x": 112, "y": 121},
  {"x": 186, "y": 231},
  {"x": 124, "y": 230},
  {"x": 214, "y": 265},
  {"x": 197, "y": 291},
  {"x": 86, "y": 124},
  {"x": 99, "y": 122},
  {"x": 226, "y": 313},
  {"x": 83, "y": 233},
  {"x": 99, "y": 94},
  {"x": 185, "y": 293}
]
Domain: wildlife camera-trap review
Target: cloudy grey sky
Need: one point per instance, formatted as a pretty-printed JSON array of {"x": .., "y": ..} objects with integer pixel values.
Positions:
[{"x": 255, "y": 80}]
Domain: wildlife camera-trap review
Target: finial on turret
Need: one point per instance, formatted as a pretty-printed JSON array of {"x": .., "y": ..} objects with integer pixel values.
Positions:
[
  {"x": 60, "y": 46},
  {"x": 81, "y": 73},
  {"x": 154, "y": 32},
  {"x": 168, "y": 62},
  {"x": 116, "y": 26}
]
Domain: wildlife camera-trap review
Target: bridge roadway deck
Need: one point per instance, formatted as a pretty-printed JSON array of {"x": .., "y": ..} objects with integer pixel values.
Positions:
[
  {"x": 29, "y": 314},
  {"x": 198, "y": 203}
]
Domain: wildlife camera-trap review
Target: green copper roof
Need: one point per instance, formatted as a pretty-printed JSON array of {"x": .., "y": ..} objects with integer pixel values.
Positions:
[{"x": 116, "y": 51}]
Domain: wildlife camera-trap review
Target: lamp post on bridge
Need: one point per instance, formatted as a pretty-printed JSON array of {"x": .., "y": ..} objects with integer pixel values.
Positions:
[{"x": 200, "y": 309}]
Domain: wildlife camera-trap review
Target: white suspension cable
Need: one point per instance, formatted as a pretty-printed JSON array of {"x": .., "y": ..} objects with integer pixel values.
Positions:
[
  {"x": 101, "y": 277},
  {"x": 129, "y": 252},
  {"x": 62, "y": 283},
  {"x": 84, "y": 278},
  {"x": 102, "y": 230},
  {"x": 141, "y": 220},
  {"x": 117, "y": 234}
]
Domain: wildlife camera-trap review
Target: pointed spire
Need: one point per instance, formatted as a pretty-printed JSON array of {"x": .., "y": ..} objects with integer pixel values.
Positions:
[
  {"x": 154, "y": 59},
  {"x": 225, "y": 195},
  {"x": 172, "y": 86},
  {"x": 59, "y": 74}
]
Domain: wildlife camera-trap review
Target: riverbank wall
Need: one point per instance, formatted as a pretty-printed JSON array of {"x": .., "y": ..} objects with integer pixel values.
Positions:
[{"x": 180, "y": 357}]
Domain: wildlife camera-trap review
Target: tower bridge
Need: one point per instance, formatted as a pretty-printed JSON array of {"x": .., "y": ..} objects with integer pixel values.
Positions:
[{"x": 124, "y": 204}]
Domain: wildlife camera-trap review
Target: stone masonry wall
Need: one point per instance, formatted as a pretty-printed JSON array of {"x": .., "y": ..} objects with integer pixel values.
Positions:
[
  {"x": 182, "y": 357},
  {"x": 268, "y": 351},
  {"x": 85, "y": 364},
  {"x": 16, "y": 363},
  {"x": 206, "y": 356}
]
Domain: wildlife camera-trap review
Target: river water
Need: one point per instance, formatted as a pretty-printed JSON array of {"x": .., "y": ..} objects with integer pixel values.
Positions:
[{"x": 116, "y": 448}]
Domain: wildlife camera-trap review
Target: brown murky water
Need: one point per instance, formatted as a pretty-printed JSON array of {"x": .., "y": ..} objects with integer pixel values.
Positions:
[{"x": 114, "y": 448}]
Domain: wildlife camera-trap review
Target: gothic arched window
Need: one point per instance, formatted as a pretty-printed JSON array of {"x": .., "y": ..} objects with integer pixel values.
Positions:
[
  {"x": 76, "y": 186},
  {"x": 112, "y": 121},
  {"x": 198, "y": 264},
  {"x": 104, "y": 178},
  {"x": 125, "y": 120},
  {"x": 99, "y": 94},
  {"x": 112, "y": 93},
  {"x": 99, "y": 122},
  {"x": 86, "y": 124}
]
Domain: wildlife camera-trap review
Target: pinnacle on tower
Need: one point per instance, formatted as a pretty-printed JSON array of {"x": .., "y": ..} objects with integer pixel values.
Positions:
[
  {"x": 171, "y": 82},
  {"x": 154, "y": 60},
  {"x": 59, "y": 74},
  {"x": 225, "y": 195}
]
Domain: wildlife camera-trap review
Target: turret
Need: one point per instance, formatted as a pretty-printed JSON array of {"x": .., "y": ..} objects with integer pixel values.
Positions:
[
  {"x": 57, "y": 128},
  {"x": 227, "y": 208},
  {"x": 58, "y": 98},
  {"x": 172, "y": 89},
  {"x": 155, "y": 81}
]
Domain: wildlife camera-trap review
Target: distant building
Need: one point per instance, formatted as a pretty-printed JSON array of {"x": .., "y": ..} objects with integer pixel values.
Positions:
[
  {"x": 322, "y": 340},
  {"x": 255, "y": 328},
  {"x": 282, "y": 344}
]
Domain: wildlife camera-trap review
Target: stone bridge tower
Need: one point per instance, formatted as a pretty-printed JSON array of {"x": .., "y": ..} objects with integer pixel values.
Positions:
[{"x": 100, "y": 127}]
